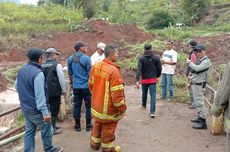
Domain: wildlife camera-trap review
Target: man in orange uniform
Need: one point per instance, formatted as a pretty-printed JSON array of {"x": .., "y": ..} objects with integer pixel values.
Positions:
[{"x": 107, "y": 101}]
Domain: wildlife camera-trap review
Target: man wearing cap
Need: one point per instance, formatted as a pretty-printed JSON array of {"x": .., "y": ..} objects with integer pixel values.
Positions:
[
  {"x": 198, "y": 81},
  {"x": 55, "y": 84},
  {"x": 79, "y": 66},
  {"x": 30, "y": 86},
  {"x": 192, "y": 56},
  {"x": 99, "y": 54},
  {"x": 149, "y": 69}
]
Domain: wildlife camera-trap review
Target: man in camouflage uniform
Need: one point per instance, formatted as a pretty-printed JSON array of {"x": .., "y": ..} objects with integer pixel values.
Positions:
[
  {"x": 198, "y": 81},
  {"x": 221, "y": 103}
]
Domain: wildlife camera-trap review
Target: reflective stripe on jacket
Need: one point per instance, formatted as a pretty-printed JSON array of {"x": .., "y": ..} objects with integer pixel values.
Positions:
[{"x": 107, "y": 88}]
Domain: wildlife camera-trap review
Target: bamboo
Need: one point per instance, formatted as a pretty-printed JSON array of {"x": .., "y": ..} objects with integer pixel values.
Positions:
[
  {"x": 9, "y": 111},
  {"x": 11, "y": 139},
  {"x": 11, "y": 132}
]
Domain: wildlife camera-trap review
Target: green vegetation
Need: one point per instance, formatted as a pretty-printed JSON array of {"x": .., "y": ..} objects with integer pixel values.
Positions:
[
  {"x": 10, "y": 74},
  {"x": 219, "y": 1},
  {"x": 160, "y": 18},
  {"x": 193, "y": 10},
  {"x": 25, "y": 19}
]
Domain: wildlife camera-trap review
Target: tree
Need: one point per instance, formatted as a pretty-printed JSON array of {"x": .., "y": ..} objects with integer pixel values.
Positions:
[{"x": 194, "y": 10}]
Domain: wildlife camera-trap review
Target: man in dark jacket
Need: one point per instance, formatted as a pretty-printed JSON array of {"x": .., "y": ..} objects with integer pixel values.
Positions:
[
  {"x": 30, "y": 86},
  {"x": 149, "y": 69},
  {"x": 55, "y": 84}
]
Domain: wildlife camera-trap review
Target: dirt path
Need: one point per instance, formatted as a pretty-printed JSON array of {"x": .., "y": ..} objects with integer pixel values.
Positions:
[{"x": 170, "y": 131}]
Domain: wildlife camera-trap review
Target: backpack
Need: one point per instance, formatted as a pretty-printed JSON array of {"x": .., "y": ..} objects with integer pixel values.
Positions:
[{"x": 77, "y": 59}]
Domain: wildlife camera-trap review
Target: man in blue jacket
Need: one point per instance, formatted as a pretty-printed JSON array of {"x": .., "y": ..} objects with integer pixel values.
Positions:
[
  {"x": 79, "y": 66},
  {"x": 30, "y": 86}
]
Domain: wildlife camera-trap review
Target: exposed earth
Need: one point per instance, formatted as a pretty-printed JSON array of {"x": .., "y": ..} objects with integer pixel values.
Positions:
[
  {"x": 169, "y": 131},
  {"x": 14, "y": 51}
]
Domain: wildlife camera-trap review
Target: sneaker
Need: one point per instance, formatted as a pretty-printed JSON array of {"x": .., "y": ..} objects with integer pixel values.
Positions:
[
  {"x": 152, "y": 115},
  {"x": 58, "y": 149}
]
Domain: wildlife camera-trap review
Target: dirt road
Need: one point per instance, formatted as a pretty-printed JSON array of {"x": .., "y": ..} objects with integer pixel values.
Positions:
[{"x": 170, "y": 131}]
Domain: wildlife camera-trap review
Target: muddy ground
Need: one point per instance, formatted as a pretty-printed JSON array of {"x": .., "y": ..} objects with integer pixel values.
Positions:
[{"x": 170, "y": 131}]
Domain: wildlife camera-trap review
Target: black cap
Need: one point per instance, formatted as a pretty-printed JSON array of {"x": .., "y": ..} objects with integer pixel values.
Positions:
[
  {"x": 148, "y": 47},
  {"x": 199, "y": 47},
  {"x": 78, "y": 45},
  {"x": 34, "y": 54},
  {"x": 192, "y": 42}
]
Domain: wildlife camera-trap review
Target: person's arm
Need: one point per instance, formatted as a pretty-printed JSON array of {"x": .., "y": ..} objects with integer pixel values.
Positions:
[
  {"x": 139, "y": 73},
  {"x": 117, "y": 92},
  {"x": 39, "y": 91},
  {"x": 204, "y": 65},
  {"x": 61, "y": 77},
  {"x": 173, "y": 61},
  {"x": 158, "y": 67},
  {"x": 193, "y": 58},
  {"x": 88, "y": 65},
  {"x": 221, "y": 98},
  {"x": 70, "y": 71},
  {"x": 91, "y": 80}
]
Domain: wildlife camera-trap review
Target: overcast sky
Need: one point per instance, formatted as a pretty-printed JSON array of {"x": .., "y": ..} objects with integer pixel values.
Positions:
[{"x": 29, "y": 1}]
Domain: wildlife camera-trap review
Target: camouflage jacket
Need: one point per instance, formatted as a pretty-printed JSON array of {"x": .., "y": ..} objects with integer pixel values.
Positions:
[{"x": 222, "y": 99}]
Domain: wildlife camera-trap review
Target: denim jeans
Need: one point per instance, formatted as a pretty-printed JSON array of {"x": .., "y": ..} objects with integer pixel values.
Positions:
[
  {"x": 79, "y": 95},
  {"x": 32, "y": 121},
  {"x": 152, "y": 92},
  {"x": 167, "y": 83}
]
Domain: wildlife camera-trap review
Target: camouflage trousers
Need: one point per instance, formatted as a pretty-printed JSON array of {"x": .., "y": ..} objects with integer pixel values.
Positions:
[{"x": 198, "y": 98}]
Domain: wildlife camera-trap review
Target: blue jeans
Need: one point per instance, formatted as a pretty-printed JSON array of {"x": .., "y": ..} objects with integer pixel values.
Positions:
[
  {"x": 152, "y": 92},
  {"x": 167, "y": 83},
  {"x": 79, "y": 95},
  {"x": 32, "y": 121}
]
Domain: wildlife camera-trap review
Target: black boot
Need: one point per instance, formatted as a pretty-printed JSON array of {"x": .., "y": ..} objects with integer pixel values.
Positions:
[
  {"x": 197, "y": 120},
  {"x": 77, "y": 126},
  {"x": 88, "y": 124},
  {"x": 200, "y": 125}
]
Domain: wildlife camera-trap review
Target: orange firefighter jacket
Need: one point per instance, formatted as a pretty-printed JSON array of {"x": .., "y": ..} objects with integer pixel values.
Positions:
[{"x": 107, "y": 89}]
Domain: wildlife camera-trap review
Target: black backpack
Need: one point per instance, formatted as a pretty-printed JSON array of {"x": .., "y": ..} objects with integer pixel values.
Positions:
[{"x": 77, "y": 59}]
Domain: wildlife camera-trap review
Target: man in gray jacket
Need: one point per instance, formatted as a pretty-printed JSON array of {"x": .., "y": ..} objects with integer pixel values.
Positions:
[
  {"x": 198, "y": 81},
  {"x": 221, "y": 103}
]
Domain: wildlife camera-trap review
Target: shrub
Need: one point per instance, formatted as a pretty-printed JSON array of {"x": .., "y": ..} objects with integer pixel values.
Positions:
[
  {"x": 194, "y": 10},
  {"x": 174, "y": 34},
  {"x": 160, "y": 18}
]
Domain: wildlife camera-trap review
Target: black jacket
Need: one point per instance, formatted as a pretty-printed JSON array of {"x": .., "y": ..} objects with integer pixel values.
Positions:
[{"x": 149, "y": 66}]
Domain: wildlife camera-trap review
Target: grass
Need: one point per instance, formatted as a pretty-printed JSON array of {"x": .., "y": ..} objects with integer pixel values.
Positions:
[
  {"x": 26, "y": 19},
  {"x": 10, "y": 74}
]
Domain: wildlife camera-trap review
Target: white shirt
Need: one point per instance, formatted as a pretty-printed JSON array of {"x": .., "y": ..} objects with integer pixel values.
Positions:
[
  {"x": 169, "y": 56},
  {"x": 96, "y": 57}
]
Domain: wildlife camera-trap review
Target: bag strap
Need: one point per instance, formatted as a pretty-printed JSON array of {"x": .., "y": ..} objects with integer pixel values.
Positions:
[{"x": 77, "y": 59}]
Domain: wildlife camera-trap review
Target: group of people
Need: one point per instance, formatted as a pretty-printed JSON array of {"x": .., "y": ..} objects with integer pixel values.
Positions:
[
  {"x": 97, "y": 81},
  {"x": 40, "y": 86}
]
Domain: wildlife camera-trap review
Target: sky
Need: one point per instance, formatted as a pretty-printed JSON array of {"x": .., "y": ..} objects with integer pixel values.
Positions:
[{"x": 29, "y": 2}]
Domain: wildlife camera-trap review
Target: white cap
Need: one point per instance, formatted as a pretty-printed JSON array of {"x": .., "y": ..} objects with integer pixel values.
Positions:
[
  {"x": 101, "y": 46},
  {"x": 52, "y": 50}
]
